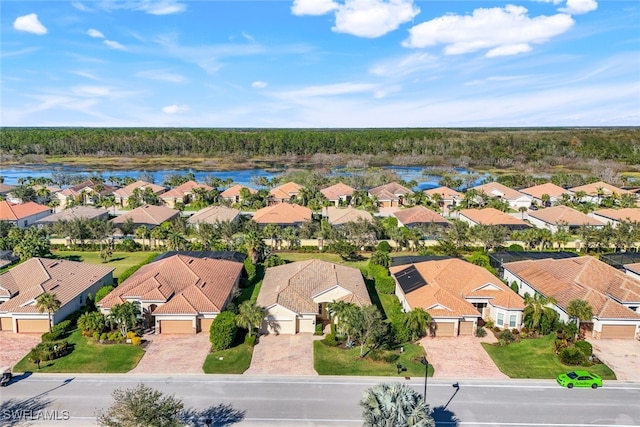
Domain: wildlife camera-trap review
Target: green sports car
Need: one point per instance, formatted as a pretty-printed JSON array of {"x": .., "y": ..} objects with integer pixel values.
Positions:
[{"x": 579, "y": 379}]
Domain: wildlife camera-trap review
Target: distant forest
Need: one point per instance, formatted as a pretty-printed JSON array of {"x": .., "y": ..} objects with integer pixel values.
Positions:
[{"x": 471, "y": 147}]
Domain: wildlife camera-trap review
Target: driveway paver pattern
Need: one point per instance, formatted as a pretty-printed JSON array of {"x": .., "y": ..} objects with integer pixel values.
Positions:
[
  {"x": 283, "y": 355},
  {"x": 174, "y": 354},
  {"x": 623, "y": 356},
  {"x": 461, "y": 357},
  {"x": 13, "y": 347}
]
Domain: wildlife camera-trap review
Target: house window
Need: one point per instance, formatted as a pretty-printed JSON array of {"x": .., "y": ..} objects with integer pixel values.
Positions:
[
  {"x": 320, "y": 309},
  {"x": 500, "y": 319},
  {"x": 512, "y": 321}
]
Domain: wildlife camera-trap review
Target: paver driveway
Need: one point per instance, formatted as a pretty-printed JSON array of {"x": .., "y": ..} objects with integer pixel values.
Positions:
[
  {"x": 283, "y": 355},
  {"x": 460, "y": 357},
  {"x": 174, "y": 354},
  {"x": 13, "y": 347},
  {"x": 623, "y": 356}
]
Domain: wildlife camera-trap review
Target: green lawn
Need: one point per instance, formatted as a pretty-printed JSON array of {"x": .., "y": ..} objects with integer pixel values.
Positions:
[
  {"x": 338, "y": 361},
  {"x": 120, "y": 260},
  {"x": 235, "y": 360},
  {"x": 535, "y": 358},
  {"x": 88, "y": 357},
  {"x": 304, "y": 256}
]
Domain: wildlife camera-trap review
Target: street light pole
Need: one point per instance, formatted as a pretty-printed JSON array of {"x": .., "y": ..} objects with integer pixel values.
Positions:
[{"x": 425, "y": 362}]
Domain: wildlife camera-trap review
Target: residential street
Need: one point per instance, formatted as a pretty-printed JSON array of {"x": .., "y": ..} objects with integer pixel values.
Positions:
[{"x": 328, "y": 401}]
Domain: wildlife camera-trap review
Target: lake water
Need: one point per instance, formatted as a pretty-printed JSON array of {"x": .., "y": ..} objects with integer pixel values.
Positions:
[{"x": 13, "y": 174}]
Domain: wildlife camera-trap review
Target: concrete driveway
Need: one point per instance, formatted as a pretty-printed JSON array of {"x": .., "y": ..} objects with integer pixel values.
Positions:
[
  {"x": 174, "y": 354},
  {"x": 622, "y": 356},
  {"x": 461, "y": 357},
  {"x": 283, "y": 355},
  {"x": 13, "y": 347}
]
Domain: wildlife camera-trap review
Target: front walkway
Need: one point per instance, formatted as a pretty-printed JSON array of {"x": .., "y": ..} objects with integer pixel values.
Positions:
[
  {"x": 283, "y": 355},
  {"x": 13, "y": 347},
  {"x": 461, "y": 357},
  {"x": 174, "y": 354}
]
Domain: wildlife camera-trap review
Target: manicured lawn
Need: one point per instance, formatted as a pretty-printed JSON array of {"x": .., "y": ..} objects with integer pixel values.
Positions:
[
  {"x": 120, "y": 260},
  {"x": 88, "y": 357},
  {"x": 235, "y": 360},
  {"x": 535, "y": 358},
  {"x": 304, "y": 256},
  {"x": 338, "y": 361}
]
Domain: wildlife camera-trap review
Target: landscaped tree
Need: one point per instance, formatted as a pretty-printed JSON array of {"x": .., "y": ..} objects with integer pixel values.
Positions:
[
  {"x": 342, "y": 313},
  {"x": 250, "y": 315},
  {"x": 368, "y": 327},
  {"x": 254, "y": 244},
  {"x": 537, "y": 315},
  {"x": 581, "y": 310},
  {"x": 125, "y": 316},
  {"x": 394, "y": 405},
  {"x": 417, "y": 321},
  {"x": 32, "y": 243},
  {"x": 92, "y": 321},
  {"x": 141, "y": 406},
  {"x": 48, "y": 302},
  {"x": 223, "y": 330}
]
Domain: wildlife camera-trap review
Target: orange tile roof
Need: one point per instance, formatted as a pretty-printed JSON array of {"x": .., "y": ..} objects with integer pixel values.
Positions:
[
  {"x": 450, "y": 282},
  {"x": 419, "y": 215},
  {"x": 549, "y": 188},
  {"x": 181, "y": 283},
  {"x": 581, "y": 278},
  {"x": 184, "y": 190},
  {"x": 592, "y": 189},
  {"x": 445, "y": 192},
  {"x": 294, "y": 285},
  {"x": 283, "y": 213},
  {"x": 390, "y": 191},
  {"x": 16, "y": 211},
  {"x": 125, "y": 192},
  {"x": 492, "y": 216},
  {"x": 285, "y": 191},
  {"x": 235, "y": 191},
  {"x": 339, "y": 216},
  {"x": 495, "y": 189},
  {"x": 147, "y": 214},
  {"x": 66, "y": 279},
  {"x": 337, "y": 191},
  {"x": 626, "y": 214},
  {"x": 557, "y": 215},
  {"x": 213, "y": 214}
]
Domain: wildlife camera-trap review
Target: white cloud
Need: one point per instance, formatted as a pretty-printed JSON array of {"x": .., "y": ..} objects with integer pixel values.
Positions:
[
  {"x": 175, "y": 109},
  {"x": 248, "y": 36},
  {"x": 406, "y": 65},
  {"x": 114, "y": 45},
  {"x": 95, "y": 33},
  {"x": 164, "y": 7},
  {"x": 81, "y": 7},
  {"x": 313, "y": 7},
  {"x": 30, "y": 24},
  {"x": 162, "y": 75},
  {"x": 259, "y": 84},
  {"x": 328, "y": 90},
  {"x": 86, "y": 75},
  {"x": 373, "y": 18},
  {"x": 578, "y": 7},
  {"x": 91, "y": 91},
  {"x": 504, "y": 31}
]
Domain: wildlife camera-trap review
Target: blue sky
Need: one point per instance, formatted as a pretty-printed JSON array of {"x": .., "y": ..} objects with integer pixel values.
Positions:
[{"x": 320, "y": 63}]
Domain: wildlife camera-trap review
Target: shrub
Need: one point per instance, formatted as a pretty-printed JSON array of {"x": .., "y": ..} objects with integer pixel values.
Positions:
[
  {"x": 96, "y": 335},
  {"x": 384, "y": 246},
  {"x": 380, "y": 258},
  {"x": 400, "y": 330},
  {"x": 137, "y": 341},
  {"x": 514, "y": 287},
  {"x": 496, "y": 329},
  {"x": 114, "y": 336},
  {"x": 506, "y": 336},
  {"x": 318, "y": 329},
  {"x": 249, "y": 268},
  {"x": 273, "y": 261},
  {"x": 50, "y": 350},
  {"x": 131, "y": 335},
  {"x": 572, "y": 356},
  {"x": 222, "y": 332},
  {"x": 515, "y": 332},
  {"x": 585, "y": 347},
  {"x": 128, "y": 245},
  {"x": 515, "y": 248},
  {"x": 481, "y": 332},
  {"x": 489, "y": 323},
  {"x": 383, "y": 356},
  {"x": 104, "y": 336},
  {"x": 250, "y": 340},
  {"x": 103, "y": 292},
  {"x": 330, "y": 340}
]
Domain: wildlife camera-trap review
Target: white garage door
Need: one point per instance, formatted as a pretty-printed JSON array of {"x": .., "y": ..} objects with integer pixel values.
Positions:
[
  {"x": 445, "y": 329},
  {"x": 176, "y": 327},
  {"x": 279, "y": 326},
  {"x": 33, "y": 325}
]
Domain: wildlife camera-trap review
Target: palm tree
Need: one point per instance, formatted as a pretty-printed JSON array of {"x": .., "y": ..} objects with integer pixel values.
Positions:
[
  {"x": 341, "y": 313},
  {"x": 537, "y": 314},
  {"x": 417, "y": 321},
  {"x": 581, "y": 310},
  {"x": 394, "y": 405},
  {"x": 125, "y": 316},
  {"x": 255, "y": 246},
  {"x": 48, "y": 302},
  {"x": 250, "y": 316},
  {"x": 143, "y": 232}
]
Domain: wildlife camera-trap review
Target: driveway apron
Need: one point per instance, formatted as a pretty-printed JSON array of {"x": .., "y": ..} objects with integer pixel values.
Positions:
[
  {"x": 283, "y": 355},
  {"x": 13, "y": 347},
  {"x": 622, "y": 356},
  {"x": 174, "y": 354}
]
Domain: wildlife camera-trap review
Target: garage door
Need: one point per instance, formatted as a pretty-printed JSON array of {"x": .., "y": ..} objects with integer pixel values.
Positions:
[
  {"x": 618, "y": 331},
  {"x": 205, "y": 325},
  {"x": 33, "y": 325},
  {"x": 280, "y": 326},
  {"x": 176, "y": 327},
  {"x": 6, "y": 324},
  {"x": 466, "y": 328},
  {"x": 445, "y": 329}
]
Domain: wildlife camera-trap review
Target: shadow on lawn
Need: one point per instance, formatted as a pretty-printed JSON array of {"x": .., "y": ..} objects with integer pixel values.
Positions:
[{"x": 215, "y": 416}]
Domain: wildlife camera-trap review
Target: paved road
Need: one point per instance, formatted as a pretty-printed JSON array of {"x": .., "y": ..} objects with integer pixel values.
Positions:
[{"x": 327, "y": 401}]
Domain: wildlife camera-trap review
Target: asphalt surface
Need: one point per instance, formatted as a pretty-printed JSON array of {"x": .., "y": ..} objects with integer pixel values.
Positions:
[{"x": 72, "y": 400}]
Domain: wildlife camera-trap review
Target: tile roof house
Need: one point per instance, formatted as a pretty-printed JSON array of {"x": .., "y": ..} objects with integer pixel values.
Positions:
[
  {"x": 448, "y": 197},
  {"x": 457, "y": 294},
  {"x": 75, "y": 212},
  {"x": 390, "y": 195},
  {"x": 182, "y": 193},
  {"x": 341, "y": 216},
  {"x": 122, "y": 194},
  {"x": 614, "y": 297},
  {"x": 179, "y": 294},
  {"x": 233, "y": 193},
  {"x": 6, "y": 188},
  {"x": 214, "y": 214},
  {"x": 418, "y": 215},
  {"x": 147, "y": 215},
  {"x": 552, "y": 190},
  {"x": 616, "y": 216},
  {"x": 22, "y": 215},
  {"x": 84, "y": 193},
  {"x": 296, "y": 295},
  {"x": 597, "y": 191},
  {"x": 338, "y": 193},
  {"x": 284, "y": 193},
  {"x": 515, "y": 198},
  {"x": 283, "y": 214},
  {"x": 555, "y": 217},
  {"x": 492, "y": 216},
  {"x": 70, "y": 281}
]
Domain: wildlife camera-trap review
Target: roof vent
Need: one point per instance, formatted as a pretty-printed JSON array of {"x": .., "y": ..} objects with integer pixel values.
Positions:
[{"x": 53, "y": 265}]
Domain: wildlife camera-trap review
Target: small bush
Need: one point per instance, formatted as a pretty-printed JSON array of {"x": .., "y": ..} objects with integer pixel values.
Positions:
[
  {"x": 223, "y": 330},
  {"x": 273, "y": 261},
  {"x": 318, "y": 329},
  {"x": 400, "y": 330},
  {"x": 385, "y": 285},
  {"x": 383, "y": 356},
  {"x": 572, "y": 356},
  {"x": 96, "y": 335},
  {"x": 515, "y": 332},
  {"x": 114, "y": 336},
  {"x": 489, "y": 324},
  {"x": 103, "y": 292},
  {"x": 137, "y": 341},
  {"x": 481, "y": 332},
  {"x": 515, "y": 248},
  {"x": 384, "y": 246},
  {"x": 250, "y": 340},
  {"x": 585, "y": 347},
  {"x": 330, "y": 340},
  {"x": 496, "y": 329},
  {"x": 104, "y": 336},
  {"x": 506, "y": 336},
  {"x": 514, "y": 287},
  {"x": 128, "y": 245},
  {"x": 131, "y": 335},
  {"x": 249, "y": 268},
  {"x": 50, "y": 350}
]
